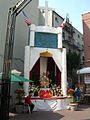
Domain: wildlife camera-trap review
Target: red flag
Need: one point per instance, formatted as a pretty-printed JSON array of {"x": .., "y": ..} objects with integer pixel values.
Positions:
[
  {"x": 63, "y": 24},
  {"x": 26, "y": 19}
]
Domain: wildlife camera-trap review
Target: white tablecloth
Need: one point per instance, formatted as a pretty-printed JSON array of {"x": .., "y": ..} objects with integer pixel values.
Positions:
[{"x": 50, "y": 104}]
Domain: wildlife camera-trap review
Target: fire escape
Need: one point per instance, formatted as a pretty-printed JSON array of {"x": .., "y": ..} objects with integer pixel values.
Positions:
[{"x": 70, "y": 40}]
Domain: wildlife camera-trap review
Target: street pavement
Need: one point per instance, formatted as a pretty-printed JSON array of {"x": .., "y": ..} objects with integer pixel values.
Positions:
[{"x": 83, "y": 113}]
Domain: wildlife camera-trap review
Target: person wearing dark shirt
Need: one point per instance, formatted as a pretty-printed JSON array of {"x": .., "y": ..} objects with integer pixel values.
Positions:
[
  {"x": 77, "y": 93},
  {"x": 29, "y": 102}
]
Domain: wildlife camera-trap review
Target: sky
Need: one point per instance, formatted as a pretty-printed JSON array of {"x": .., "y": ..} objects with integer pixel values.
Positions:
[{"x": 73, "y": 8}]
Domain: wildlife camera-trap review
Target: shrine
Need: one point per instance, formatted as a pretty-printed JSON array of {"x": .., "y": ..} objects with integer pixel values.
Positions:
[{"x": 45, "y": 53}]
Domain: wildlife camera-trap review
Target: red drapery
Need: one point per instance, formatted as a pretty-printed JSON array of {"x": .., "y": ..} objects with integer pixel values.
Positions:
[
  {"x": 58, "y": 76},
  {"x": 51, "y": 69},
  {"x": 35, "y": 72}
]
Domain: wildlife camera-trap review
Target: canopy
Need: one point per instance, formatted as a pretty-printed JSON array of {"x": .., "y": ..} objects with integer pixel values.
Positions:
[
  {"x": 84, "y": 70},
  {"x": 16, "y": 78}
]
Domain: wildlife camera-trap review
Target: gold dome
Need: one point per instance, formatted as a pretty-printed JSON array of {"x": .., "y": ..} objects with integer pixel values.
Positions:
[{"x": 46, "y": 54}]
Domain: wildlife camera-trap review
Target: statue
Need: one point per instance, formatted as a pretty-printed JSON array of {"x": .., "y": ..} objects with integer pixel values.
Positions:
[{"x": 44, "y": 81}]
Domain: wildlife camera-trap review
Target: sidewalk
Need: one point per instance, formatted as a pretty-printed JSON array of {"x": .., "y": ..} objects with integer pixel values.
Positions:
[{"x": 83, "y": 113}]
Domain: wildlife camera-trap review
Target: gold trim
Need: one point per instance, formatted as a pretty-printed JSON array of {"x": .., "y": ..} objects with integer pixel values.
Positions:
[{"x": 46, "y": 54}]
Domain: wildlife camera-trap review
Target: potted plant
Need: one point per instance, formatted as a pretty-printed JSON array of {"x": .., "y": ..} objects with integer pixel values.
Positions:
[
  {"x": 19, "y": 94},
  {"x": 73, "y": 104},
  {"x": 19, "y": 103}
]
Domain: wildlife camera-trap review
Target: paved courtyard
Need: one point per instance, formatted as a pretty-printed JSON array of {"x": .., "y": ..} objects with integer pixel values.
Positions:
[{"x": 83, "y": 113}]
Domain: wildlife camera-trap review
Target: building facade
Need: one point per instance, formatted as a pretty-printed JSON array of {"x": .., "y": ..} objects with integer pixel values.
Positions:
[
  {"x": 37, "y": 16},
  {"x": 86, "y": 34},
  {"x": 21, "y": 30},
  {"x": 72, "y": 38}
]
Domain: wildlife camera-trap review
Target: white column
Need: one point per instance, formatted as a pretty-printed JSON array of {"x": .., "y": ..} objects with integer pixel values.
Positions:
[
  {"x": 26, "y": 69},
  {"x": 59, "y": 29},
  {"x": 32, "y": 35},
  {"x": 43, "y": 65},
  {"x": 64, "y": 73},
  {"x": 46, "y": 13}
]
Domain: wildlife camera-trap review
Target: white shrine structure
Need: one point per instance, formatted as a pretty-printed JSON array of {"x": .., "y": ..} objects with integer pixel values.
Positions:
[{"x": 45, "y": 52}]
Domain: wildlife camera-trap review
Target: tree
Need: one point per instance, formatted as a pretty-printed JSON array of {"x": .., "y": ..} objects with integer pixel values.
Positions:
[{"x": 73, "y": 63}]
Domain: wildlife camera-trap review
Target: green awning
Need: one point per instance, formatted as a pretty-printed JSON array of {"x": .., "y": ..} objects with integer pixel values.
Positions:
[{"x": 16, "y": 78}]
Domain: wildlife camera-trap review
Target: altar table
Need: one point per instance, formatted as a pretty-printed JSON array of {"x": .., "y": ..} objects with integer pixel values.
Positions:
[{"x": 49, "y": 104}]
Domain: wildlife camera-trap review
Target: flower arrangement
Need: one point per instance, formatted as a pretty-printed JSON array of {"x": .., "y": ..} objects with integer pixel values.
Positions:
[
  {"x": 57, "y": 92},
  {"x": 19, "y": 94},
  {"x": 70, "y": 92}
]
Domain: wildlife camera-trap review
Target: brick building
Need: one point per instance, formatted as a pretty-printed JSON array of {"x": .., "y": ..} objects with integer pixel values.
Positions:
[{"x": 86, "y": 35}]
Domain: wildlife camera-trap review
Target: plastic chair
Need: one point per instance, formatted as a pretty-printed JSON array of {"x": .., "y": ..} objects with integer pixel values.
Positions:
[{"x": 25, "y": 107}]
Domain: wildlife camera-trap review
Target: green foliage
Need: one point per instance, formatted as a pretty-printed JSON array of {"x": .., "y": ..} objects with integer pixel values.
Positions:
[{"x": 73, "y": 61}]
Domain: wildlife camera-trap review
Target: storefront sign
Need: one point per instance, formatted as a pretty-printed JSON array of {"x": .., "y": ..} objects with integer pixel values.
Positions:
[{"x": 87, "y": 79}]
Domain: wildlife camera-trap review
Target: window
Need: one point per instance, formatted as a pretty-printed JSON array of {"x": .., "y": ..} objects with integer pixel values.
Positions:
[
  {"x": 63, "y": 35},
  {"x": 78, "y": 36},
  {"x": 56, "y": 19}
]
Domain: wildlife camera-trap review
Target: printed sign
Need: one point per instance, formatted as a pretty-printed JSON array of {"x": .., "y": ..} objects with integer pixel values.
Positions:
[{"x": 87, "y": 79}]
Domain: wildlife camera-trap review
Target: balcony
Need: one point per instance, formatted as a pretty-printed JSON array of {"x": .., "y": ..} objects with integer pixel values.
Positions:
[{"x": 69, "y": 28}]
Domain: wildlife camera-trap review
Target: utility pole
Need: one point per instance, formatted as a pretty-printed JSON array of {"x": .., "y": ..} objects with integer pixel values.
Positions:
[{"x": 8, "y": 54}]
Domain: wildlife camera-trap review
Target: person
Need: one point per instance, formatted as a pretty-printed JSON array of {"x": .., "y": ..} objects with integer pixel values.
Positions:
[
  {"x": 77, "y": 93},
  {"x": 29, "y": 102}
]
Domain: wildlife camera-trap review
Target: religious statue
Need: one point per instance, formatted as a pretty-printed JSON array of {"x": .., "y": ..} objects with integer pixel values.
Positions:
[{"x": 44, "y": 81}]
